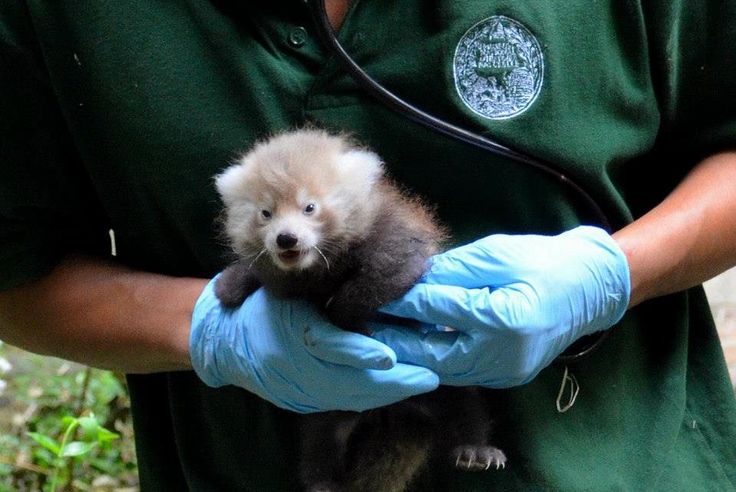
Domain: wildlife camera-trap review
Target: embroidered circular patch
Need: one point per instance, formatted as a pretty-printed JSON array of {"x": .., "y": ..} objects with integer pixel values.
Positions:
[{"x": 498, "y": 68}]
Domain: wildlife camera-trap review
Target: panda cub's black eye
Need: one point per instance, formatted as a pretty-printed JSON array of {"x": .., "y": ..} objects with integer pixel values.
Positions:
[
  {"x": 265, "y": 214},
  {"x": 310, "y": 208}
]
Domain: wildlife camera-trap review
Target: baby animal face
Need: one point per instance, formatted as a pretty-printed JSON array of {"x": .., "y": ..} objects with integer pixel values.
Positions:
[
  {"x": 290, "y": 230},
  {"x": 298, "y": 197}
]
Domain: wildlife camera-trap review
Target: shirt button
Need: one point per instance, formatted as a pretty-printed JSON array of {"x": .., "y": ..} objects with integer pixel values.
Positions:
[{"x": 297, "y": 37}]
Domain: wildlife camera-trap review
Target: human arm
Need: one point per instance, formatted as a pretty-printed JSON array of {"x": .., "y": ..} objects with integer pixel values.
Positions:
[
  {"x": 529, "y": 311},
  {"x": 104, "y": 315},
  {"x": 687, "y": 239},
  {"x": 109, "y": 316}
]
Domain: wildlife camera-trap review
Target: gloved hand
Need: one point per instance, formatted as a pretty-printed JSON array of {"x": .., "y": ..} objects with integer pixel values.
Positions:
[
  {"x": 288, "y": 354},
  {"x": 516, "y": 303}
]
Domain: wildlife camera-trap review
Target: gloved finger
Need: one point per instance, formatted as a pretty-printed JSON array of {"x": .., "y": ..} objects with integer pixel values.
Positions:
[
  {"x": 329, "y": 343},
  {"x": 488, "y": 262},
  {"x": 389, "y": 321},
  {"x": 466, "y": 310},
  {"x": 371, "y": 389},
  {"x": 451, "y": 354},
  {"x": 428, "y": 349},
  {"x": 346, "y": 388}
]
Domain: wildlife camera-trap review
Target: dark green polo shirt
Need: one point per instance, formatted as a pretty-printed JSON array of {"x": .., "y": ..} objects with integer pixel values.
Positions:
[{"x": 116, "y": 115}]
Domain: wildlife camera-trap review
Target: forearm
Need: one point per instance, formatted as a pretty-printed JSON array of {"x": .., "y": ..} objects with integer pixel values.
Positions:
[
  {"x": 687, "y": 239},
  {"x": 103, "y": 315}
]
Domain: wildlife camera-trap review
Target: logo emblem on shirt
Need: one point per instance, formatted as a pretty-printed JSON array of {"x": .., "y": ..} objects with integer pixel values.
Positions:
[{"x": 498, "y": 68}]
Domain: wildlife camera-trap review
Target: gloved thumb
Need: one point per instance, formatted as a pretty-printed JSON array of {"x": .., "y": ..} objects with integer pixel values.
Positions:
[{"x": 329, "y": 343}]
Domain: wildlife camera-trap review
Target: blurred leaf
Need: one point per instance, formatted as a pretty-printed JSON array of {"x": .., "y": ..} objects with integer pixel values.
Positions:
[
  {"x": 77, "y": 448},
  {"x": 105, "y": 435},
  {"x": 43, "y": 393},
  {"x": 89, "y": 424},
  {"x": 47, "y": 442},
  {"x": 105, "y": 465},
  {"x": 44, "y": 457},
  {"x": 93, "y": 430},
  {"x": 104, "y": 388}
]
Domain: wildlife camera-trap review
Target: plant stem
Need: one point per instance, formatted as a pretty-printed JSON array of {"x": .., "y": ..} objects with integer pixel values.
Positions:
[
  {"x": 72, "y": 427},
  {"x": 79, "y": 406},
  {"x": 83, "y": 393}
]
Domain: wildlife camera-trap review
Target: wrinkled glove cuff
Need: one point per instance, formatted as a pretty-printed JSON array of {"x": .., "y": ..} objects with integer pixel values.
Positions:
[{"x": 614, "y": 275}]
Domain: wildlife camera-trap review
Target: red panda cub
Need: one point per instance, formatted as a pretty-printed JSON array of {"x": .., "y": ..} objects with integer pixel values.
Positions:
[{"x": 312, "y": 216}]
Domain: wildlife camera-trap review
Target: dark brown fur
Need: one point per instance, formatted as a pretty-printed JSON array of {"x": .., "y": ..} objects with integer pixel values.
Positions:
[{"x": 381, "y": 449}]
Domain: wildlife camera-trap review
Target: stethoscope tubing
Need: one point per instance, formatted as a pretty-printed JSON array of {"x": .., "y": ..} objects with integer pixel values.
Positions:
[{"x": 327, "y": 35}]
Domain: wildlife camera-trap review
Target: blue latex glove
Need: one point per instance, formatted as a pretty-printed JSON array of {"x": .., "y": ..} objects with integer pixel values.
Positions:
[
  {"x": 288, "y": 354},
  {"x": 516, "y": 302}
]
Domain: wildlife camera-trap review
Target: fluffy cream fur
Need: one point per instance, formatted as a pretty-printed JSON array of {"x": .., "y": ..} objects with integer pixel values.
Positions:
[{"x": 281, "y": 177}]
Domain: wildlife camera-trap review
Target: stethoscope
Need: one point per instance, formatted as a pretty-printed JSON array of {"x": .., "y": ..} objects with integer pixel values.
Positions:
[{"x": 581, "y": 348}]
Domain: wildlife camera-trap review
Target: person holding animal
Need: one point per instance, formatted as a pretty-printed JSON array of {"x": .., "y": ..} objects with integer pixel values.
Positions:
[{"x": 117, "y": 117}]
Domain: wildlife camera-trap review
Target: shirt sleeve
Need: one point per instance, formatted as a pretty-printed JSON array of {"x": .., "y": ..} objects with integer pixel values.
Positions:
[{"x": 48, "y": 208}]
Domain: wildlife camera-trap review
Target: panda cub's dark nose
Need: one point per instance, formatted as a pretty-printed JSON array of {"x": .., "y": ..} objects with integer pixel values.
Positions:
[{"x": 286, "y": 240}]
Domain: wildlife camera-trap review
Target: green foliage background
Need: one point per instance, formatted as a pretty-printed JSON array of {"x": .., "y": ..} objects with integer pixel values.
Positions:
[{"x": 41, "y": 397}]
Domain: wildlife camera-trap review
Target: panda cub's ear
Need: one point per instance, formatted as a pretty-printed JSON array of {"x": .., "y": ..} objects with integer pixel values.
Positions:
[
  {"x": 232, "y": 183},
  {"x": 361, "y": 166}
]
